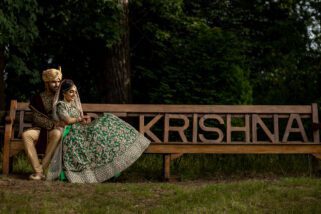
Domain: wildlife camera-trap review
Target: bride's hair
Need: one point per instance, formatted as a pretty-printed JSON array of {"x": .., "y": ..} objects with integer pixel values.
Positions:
[{"x": 66, "y": 85}]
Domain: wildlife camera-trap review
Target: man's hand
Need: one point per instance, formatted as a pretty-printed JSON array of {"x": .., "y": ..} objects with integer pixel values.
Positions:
[{"x": 59, "y": 124}]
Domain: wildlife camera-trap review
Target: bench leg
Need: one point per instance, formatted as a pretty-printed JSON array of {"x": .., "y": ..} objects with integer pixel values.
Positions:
[
  {"x": 10, "y": 165},
  {"x": 5, "y": 159},
  {"x": 167, "y": 167},
  {"x": 5, "y": 164},
  {"x": 316, "y": 165}
]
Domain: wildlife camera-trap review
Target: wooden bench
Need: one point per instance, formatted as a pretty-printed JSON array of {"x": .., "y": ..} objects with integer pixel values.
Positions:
[{"x": 178, "y": 129}]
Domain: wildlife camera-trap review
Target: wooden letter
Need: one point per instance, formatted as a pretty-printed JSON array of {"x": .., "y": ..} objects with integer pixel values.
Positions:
[
  {"x": 146, "y": 129},
  {"x": 179, "y": 129},
  {"x": 290, "y": 129},
  {"x": 195, "y": 128},
  {"x": 230, "y": 129},
  {"x": 213, "y": 129},
  {"x": 257, "y": 120},
  {"x": 315, "y": 119}
]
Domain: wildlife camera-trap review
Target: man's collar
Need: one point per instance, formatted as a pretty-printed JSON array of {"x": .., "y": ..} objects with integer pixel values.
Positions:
[{"x": 48, "y": 93}]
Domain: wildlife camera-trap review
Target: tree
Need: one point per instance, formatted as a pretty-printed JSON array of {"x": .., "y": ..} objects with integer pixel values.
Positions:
[
  {"x": 178, "y": 58},
  {"x": 18, "y": 30},
  {"x": 89, "y": 40},
  {"x": 280, "y": 52},
  {"x": 116, "y": 84}
]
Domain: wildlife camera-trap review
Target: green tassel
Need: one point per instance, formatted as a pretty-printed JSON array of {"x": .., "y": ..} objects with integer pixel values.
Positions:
[{"x": 62, "y": 176}]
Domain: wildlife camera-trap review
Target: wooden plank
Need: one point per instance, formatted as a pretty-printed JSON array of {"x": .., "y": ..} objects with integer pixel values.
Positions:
[
  {"x": 281, "y": 116},
  {"x": 234, "y": 149},
  {"x": 22, "y": 124},
  {"x": 22, "y": 106},
  {"x": 149, "y": 108},
  {"x": 268, "y": 143},
  {"x": 165, "y": 108},
  {"x": 7, "y": 136},
  {"x": 315, "y": 119},
  {"x": 153, "y": 114},
  {"x": 15, "y": 147}
]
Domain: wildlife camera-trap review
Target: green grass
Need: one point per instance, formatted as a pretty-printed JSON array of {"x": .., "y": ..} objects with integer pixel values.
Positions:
[
  {"x": 210, "y": 184},
  {"x": 202, "y": 166},
  {"x": 286, "y": 195}
]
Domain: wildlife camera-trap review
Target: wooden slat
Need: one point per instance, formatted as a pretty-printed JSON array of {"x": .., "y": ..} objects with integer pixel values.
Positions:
[
  {"x": 265, "y": 116},
  {"x": 15, "y": 147},
  {"x": 149, "y": 108},
  {"x": 268, "y": 143},
  {"x": 315, "y": 119},
  {"x": 22, "y": 106},
  {"x": 165, "y": 108},
  {"x": 7, "y": 136},
  {"x": 233, "y": 149}
]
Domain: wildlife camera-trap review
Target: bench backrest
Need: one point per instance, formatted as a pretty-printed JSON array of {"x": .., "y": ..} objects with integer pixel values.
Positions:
[{"x": 205, "y": 124}]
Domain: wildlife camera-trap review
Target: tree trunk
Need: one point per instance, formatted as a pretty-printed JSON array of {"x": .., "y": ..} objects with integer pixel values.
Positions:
[
  {"x": 2, "y": 83},
  {"x": 117, "y": 86}
]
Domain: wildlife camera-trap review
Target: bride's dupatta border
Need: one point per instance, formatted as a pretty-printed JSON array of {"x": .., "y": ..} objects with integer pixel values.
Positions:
[{"x": 56, "y": 164}]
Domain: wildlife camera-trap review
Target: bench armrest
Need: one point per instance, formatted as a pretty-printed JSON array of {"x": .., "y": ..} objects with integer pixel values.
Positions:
[
  {"x": 8, "y": 134},
  {"x": 8, "y": 119}
]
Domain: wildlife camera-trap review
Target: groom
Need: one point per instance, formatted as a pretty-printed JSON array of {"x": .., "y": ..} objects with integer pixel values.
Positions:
[{"x": 45, "y": 134}]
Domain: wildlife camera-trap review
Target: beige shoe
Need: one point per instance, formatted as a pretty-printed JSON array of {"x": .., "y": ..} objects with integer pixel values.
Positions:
[{"x": 37, "y": 176}]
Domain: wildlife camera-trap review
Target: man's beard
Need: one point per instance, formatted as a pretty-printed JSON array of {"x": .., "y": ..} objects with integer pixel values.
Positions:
[{"x": 53, "y": 89}]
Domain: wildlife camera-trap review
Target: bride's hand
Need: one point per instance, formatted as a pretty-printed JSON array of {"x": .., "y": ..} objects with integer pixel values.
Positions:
[
  {"x": 86, "y": 119},
  {"x": 59, "y": 124}
]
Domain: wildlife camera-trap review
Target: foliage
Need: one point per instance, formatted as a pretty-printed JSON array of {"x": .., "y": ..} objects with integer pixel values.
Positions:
[
  {"x": 188, "y": 60},
  {"x": 279, "y": 49},
  {"x": 72, "y": 34},
  {"x": 18, "y": 31},
  {"x": 222, "y": 52}
]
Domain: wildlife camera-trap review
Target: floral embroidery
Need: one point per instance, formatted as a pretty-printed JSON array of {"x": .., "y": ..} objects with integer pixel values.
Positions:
[
  {"x": 95, "y": 152},
  {"x": 39, "y": 119},
  {"x": 47, "y": 101}
]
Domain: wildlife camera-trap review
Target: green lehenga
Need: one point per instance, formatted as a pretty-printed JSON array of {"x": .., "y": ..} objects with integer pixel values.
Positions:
[{"x": 97, "y": 151}]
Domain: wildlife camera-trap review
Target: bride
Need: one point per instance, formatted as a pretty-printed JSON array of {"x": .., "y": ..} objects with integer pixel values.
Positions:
[{"x": 91, "y": 152}]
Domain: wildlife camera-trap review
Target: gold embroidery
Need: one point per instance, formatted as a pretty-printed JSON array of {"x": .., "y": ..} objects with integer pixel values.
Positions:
[
  {"x": 40, "y": 119},
  {"x": 47, "y": 101}
]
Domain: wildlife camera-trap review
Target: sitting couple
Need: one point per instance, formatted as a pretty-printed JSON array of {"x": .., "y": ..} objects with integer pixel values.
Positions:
[{"x": 74, "y": 147}]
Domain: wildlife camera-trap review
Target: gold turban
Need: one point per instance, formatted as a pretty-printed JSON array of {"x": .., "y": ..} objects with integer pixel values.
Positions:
[{"x": 52, "y": 74}]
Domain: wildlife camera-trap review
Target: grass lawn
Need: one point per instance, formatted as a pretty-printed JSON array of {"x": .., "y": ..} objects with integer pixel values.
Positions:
[{"x": 281, "y": 195}]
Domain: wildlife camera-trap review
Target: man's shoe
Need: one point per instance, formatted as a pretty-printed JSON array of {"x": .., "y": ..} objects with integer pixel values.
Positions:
[{"x": 37, "y": 177}]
